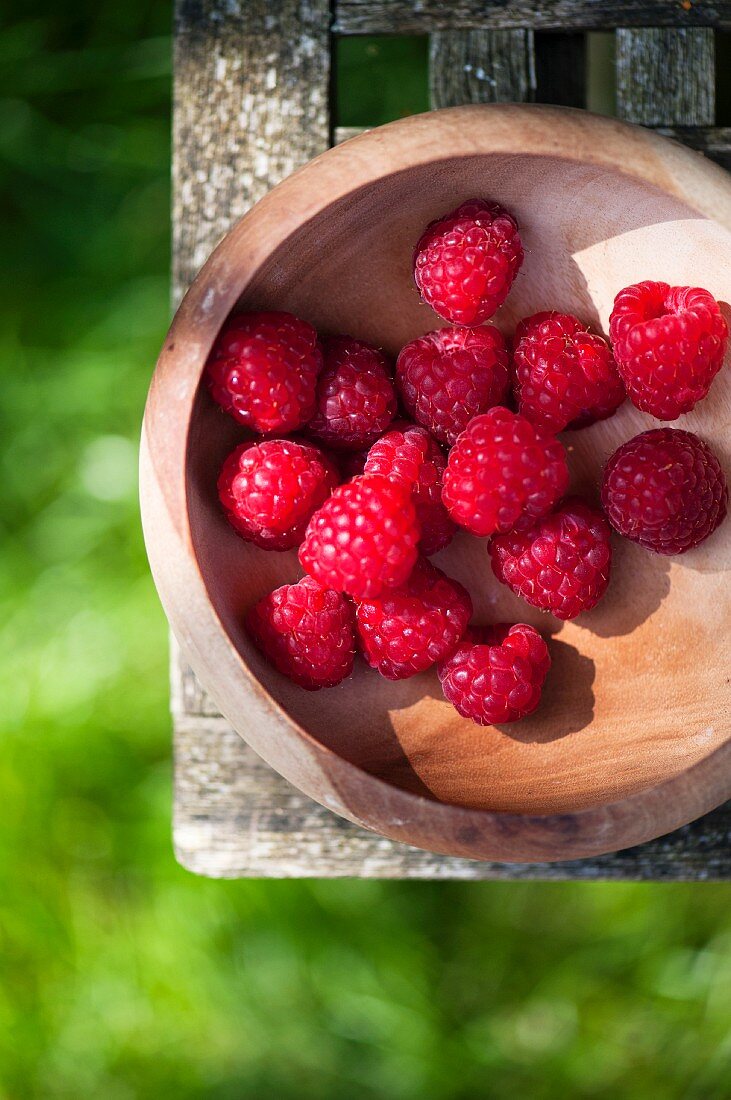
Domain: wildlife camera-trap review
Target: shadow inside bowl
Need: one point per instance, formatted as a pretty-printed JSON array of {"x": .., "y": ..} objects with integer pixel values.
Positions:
[
  {"x": 638, "y": 584},
  {"x": 567, "y": 697}
]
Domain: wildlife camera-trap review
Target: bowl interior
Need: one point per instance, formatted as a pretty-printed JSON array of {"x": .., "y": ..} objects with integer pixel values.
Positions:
[{"x": 638, "y": 688}]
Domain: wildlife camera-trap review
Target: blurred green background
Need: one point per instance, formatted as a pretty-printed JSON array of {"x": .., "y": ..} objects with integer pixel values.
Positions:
[{"x": 122, "y": 975}]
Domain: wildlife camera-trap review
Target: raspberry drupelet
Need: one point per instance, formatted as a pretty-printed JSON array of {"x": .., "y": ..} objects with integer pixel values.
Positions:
[
  {"x": 466, "y": 261},
  {"x": 263, "y": 371}
]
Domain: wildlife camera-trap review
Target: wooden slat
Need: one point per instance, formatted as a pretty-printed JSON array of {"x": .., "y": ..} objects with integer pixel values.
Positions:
[
  {"x": 666, "y": 77},
  {"x": 235, "y": 817},
  {"x": 561, "y": 69},
  {"x": 187, "y": 695},
  {"x": 478, "y": 66},
  {"x": 250, "y": 105},
  {"x": 428, "y": 16}
]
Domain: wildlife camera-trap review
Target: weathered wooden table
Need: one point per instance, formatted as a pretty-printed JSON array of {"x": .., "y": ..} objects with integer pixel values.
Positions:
[{"x": 253, "y": 102}]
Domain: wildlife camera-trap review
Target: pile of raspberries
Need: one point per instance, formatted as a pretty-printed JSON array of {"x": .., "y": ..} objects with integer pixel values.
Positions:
[{"x": 387, "y": 462}]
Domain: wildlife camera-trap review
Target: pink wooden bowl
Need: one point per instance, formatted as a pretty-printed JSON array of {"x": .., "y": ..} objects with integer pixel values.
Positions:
[{"x": 632, "y": 737}]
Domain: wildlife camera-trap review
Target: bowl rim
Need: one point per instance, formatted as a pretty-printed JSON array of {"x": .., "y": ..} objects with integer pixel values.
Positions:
[{"x": 317, "y": 770}]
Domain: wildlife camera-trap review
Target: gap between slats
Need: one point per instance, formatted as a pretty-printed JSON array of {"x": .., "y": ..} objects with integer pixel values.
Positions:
[{"x": 506, "y": 66}]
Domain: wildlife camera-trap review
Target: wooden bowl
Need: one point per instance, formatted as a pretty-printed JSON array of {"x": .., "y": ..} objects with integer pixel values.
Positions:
[{"x": 632, "y": 737}]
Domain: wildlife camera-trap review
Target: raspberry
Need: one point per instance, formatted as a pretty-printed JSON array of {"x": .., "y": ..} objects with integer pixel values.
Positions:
[
  {"x": 565, "y": 375},
  {"x": 356, "y": 400},
  {"x": 465, "y": 262},
  {"x": 271, "y": 489},
  {"x": 496, "y": 673},
  {"x": 409, "y": 455},
  {"x": 665, "y": 489},
  {"x": 406, "y": 630},
  {"x": 669, "y": 343},
  {"x": 307, "y": 632},
  {"x": 501, "y": 468},
  {"x": 560, "y": 562},
  {"x": 448, "y": 376},
  {"x": 263, "y": 370},
  {"x": 363, "y": 539}
]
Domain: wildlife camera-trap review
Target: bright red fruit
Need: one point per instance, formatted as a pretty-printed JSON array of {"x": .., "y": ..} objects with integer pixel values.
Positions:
[
  {"x": 447, "y": 377},
  {"x": 465, "y": 262},
  {"x": 565, "y": 375},
  {"x": 263, "y": 370},
  {"x": 666, "y": 490},
  {"x": 560, "y": 562},
  {"x": 669, "y": 343},
  {"x": 306, "y": 631},
  {"x": 406, "y": 630},
  {"x": 363, "y": 539},
  {"x": 408, "y": 454},
  {"x": 356, "y": 400},
  {"x": 496, "y": 674},
  {"x": 500, "y": 469},
  {"x": 270, "y": 490}
]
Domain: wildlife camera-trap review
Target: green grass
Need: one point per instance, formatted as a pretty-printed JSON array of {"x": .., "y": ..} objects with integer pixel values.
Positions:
[{"x": 122, "y": 975}]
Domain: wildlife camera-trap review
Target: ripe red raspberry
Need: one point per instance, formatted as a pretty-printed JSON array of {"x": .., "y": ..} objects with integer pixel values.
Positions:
[
  {"x": 565, "y": 375},
  {"x": 307, "y": 632},
  {"x": 669, "y": 343},
  {"x": 363, "y": 539},
  {"x": 263, "y": 370},
  {"x": 500, "y": 468},
  {"x": 665, "y": 489},
  {"x": 406, "y": 630},
  {"x": 448, "y": 376},
  {"x": 271, "y": 489},
  {"x": 560, "y": 562},
  {"x": 465, "y": 262},
  {"x": 496, "y": 673},
  {"x": 409, "y": 455},
  {"x": 356, "y": 400}
]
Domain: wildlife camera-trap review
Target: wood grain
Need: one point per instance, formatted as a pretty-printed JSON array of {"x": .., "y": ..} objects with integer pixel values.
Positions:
[
  {"x": 235, "y": 817},
  {"x": 481, "y": 66},
  {"x": 666, "y": 77},
  {"x": 427, "y": 16},
  {"x": 250, "y": 105},
  {"x": 588, "y": 780}
]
